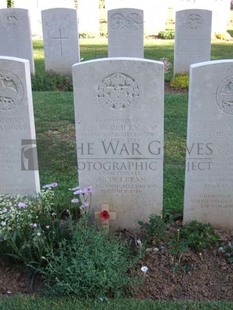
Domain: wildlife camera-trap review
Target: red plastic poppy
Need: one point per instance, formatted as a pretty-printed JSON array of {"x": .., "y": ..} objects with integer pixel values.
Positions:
[{"x": 104, "y": 215}]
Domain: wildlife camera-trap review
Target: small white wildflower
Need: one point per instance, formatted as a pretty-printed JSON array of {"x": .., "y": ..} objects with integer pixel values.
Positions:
[
  {"x": 75, "y": 200},
  {"x": 3, "y": 223},
  {"x": 47, "y": 226},
  {"x": 51, "y": 185},
  {"x": 34, "y": 225},
  {"x": 22, "y": 205},
  {"x": 139, "y": 243},
  {"x": 74, "y": 188},
  {"x": 144, "y": 269},
  {"x": 85, "y": 206},
  {"x": 38, "y": 234}
]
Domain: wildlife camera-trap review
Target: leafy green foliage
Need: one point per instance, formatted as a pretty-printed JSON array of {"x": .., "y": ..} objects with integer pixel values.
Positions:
[
  {"x": 90, "y": 264},
  {"x": 198, "y": 236},
  {"x": 51, "y": 81},
  {"x": 10, "y": 3},
  {"x": 166, "y": 35},
  {"x": 155, "y": 230},
  {"x": 225, "y": 36},
  {"x": 180, "y": 81},
  {"x": 28, "y": 225},
  {"x": 227, "y": 251},
  {"x": 87, "y": 35},
  {"x": 35, "y": 302},
  {"x": 32, "y": 227}
]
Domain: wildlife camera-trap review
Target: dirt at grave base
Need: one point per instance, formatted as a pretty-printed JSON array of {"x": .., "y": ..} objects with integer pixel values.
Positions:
[{"x": 205, "y": 276}]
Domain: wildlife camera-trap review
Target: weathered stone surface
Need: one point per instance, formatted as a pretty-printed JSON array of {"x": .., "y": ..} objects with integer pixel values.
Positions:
[
  {"x": 18, "y": 154},
  {"x": 15, "y": 35},
  {"x": 119, "y": 114},
  {"x": 155, "y": 12},
  {"x": 220, "y": 11},
  {"x": 192, "y": 39},
  {"x": 125, "y": 33},
  {"x": 209, "y": 156},
  {"x": 61, "y": 42}
]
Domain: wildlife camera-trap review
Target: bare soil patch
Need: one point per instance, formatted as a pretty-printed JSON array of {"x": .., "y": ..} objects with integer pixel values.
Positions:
[{"x": 205, "y": 276}]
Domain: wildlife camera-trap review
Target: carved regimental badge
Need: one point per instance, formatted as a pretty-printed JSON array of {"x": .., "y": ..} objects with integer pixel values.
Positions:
[
  {"x": 224, "y": 95},
  {"x": 118, "y": 92},
  {"x": 193, "y": 21},
  {"x": 132, "y": 21},
  {"x": 11, "y": 91},
  {"x": 10, "y": 22}
]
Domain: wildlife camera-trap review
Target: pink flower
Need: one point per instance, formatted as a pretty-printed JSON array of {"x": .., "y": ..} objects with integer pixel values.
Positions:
[
  {"x": 104, "y": 215},
  {"x": 84, "y": 191},
  {"x": 78, "y": 192},
  {"x": 74, "y": 188},
  {"x": 84, "y": 206}
]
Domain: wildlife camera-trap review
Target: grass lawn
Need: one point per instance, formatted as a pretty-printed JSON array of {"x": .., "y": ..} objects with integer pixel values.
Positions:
[
  {"x": 31, "y": 303},
  {"x": 55, "y": 128},
  {"x": 54, "y": 115}
]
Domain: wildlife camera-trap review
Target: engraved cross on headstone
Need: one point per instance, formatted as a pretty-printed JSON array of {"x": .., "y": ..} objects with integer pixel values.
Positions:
[
  {"x": 110, "y": 216},
  {"x": 60, "y": 38}
]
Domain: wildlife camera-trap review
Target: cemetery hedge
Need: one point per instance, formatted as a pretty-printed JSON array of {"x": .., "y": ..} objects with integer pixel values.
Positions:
[{"x": 54, "y": 117}]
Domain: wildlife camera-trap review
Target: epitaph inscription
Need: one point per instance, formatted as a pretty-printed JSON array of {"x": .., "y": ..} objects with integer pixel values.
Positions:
[
  {"x": 11, "y": 91},
  {"x": 194, "y": 21},
  {"x": 224, "y": 95},
  {"x": 131, "y": 21},
  {"x": 209, "y": 157},
  {"x": 119, "y": 130},
  {"x": 16, "y": 124},
  {"x": 118, "y": 92}
]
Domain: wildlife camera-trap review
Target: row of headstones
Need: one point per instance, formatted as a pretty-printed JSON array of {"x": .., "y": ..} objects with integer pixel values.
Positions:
[
  {"x": 155, "y": 12},
  {"x": 119, "y": 116},
  {"x": 125, "y": 28},
  {"x": 192, "y": 36},
  {"x": 88, "y": 12}
]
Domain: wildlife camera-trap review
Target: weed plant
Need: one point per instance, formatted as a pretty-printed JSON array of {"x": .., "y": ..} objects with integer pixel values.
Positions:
[
  {"x": 89, "y": 265},
  {"x": 74, "y": 257}
]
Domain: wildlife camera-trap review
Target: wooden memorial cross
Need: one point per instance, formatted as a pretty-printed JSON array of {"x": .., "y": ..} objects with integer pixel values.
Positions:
[{"x": 105, "y": 216}]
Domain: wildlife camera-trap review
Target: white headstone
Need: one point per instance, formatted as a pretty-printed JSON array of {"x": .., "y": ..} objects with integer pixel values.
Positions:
[
  {"x": 61, "y": 42},
  {"x": 88, "y": 13},
  {"x": 220, "y": 11},
  {"x": 34, "y": 12},
  {"x": 192, "y": 39},
  {"x": 155, "y": 12},
  {"x": 209, "y": 159},
  {"x": 119, "y": 112},
  {"x": 18, "y": 155},
  {"x": 15, "y": 35},
  {"x": 125, "y": 33}
]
